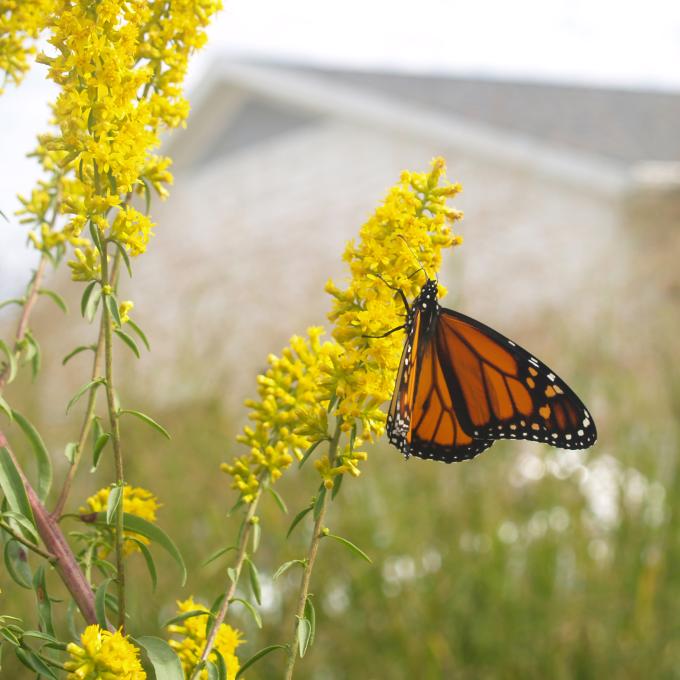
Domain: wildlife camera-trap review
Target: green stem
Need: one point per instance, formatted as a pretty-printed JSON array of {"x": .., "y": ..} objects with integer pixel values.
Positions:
[
  {"x": 115, "y": 438},
  {"x": 317, "y": 535},
  {"x": 231, "y": 590},
  {"x": 31, "y": 546}
]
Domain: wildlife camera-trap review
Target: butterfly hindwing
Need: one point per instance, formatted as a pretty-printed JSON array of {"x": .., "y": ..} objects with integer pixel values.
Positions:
[{"x": 503, "y": 392}]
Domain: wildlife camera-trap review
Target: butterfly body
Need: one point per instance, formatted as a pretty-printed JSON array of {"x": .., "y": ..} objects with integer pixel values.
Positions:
[{"x": 462, "y": 385}]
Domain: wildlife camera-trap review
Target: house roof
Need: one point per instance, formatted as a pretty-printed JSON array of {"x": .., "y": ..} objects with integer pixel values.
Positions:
[{"x": 624, "y": 126}]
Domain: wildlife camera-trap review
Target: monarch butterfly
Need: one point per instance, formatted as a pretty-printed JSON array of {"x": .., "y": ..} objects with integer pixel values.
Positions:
[{"x": 462, "y": 385}]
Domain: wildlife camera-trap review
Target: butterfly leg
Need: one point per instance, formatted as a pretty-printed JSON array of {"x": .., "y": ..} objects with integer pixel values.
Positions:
[
  {"x": 384, "y": 335},
  {"x": 398, "y": 290}
]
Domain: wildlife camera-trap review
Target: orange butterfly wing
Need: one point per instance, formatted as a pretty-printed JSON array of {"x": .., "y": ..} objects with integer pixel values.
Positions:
[
  {"x": 503, "y": 392},
  {"x": 422, "y": 420},
  {"x": 462, "y": 385}
]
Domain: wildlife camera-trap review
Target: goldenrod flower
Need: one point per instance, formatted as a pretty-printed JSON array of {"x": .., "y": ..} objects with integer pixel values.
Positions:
[
  {"x": 398, "y": 248},
  {"x": 20, "y": 24},
  {"x": 193, "y": 632},
  {"x": 103, "y": 656},
  {"x": 291, "y": 413},
  {"x": 136, "y": 501},
  {"x": 120, "y": 65},
  {"x": 124, "y": 310}
]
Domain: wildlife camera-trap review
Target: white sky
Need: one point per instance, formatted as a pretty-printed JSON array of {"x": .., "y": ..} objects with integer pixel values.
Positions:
[{"x": 605, "y": 42}]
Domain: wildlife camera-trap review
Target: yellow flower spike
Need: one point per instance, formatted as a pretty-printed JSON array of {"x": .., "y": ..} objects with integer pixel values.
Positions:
[
  {"x": 136, "y": 501},
  {"x": 193, "y": 637},
  {"x": 103, "y": 655},
  {"x": 124, "y": 310}
]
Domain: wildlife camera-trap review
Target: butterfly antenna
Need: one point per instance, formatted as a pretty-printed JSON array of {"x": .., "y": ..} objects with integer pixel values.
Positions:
[{"x": 415, "y": 257}]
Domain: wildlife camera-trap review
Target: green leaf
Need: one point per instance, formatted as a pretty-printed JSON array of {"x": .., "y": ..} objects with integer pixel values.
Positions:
[
  {"x": 11, "y": 361},
  {"x": 100, "y": 603},
  {"x": 153, "y": 533},
  {"x": 128, "y": 341},
  {"x": 77, "y": 350},
  {"x": 310, "y": 615},
  {"x": 148, "y": 420},
  {"x": 99, "y": 445},
  {"x": 4, "y": 217},
  {"x": 186, "y": 615},
  {"x": 85, "y": 299},
  {"x": 16, "y": 561},
  {"x": 125, "y": 256},
  {"x": 112, "y": 306},
  {"x": 218, "y": 553},
  {"x": 351, "y": 546},
  {"x": 93, "y": 384},
  {"x": 251, "y": 609},
  {"x": 5, "y": 407},
  {"x": 278, "y": 499},
  {"x": 13, "y": 301},
  {"x": 165, "y": 662},
  {"x": 58, "y": 300},
  {"x": 256, "y": 536},
  {"x": 304, "y": 635},
  {"x": 43, "y": 600},
  {"x": 71, "y": 451},
  {"x": 13, "y": 487},
  {"x": 220, "y": 665},
  {"x": 332, "y": 403},
  {"x": 41, "y": 454},
  {"x": 337, "y": 483},
  {"x": 254, "y": 578},
  {"x": 257, "y": 656},
  {"x": 113, "y": 502},
  {"x": 352, "y": 438},
  {"x": 147, "y": 194},
  {"x": 148, "y": 558},
  {"x": 31, "y": 660},
  {"x": 25, "y": 524},
  {"x": 319, "y": 502},
  {"x": 231, "y": 573},
  {"x": 298, "y": 518},
  {"x": 34, "y": 354},
  {"x": 96, "y": 236},
  {"x": 285, "y": 567},
  {"x": 308, "y": 453},
  {"x": 139, "y": 332}
]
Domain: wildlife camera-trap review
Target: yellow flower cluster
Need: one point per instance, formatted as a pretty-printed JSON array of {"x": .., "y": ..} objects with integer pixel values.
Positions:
[
  {"x": 120, "y": 66},
  {"x": 290, "y": 415},
  {"x": 136, "y": 501},
  {"x": 399, "y": 247},
  {"x": 193, "y": 632},
  {"x": 103, "y": 655},
  {"x": 20, "y": 24}
]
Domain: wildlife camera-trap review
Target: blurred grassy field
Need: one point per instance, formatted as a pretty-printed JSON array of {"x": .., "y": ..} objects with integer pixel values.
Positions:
[{"x": 527, "y": 563}]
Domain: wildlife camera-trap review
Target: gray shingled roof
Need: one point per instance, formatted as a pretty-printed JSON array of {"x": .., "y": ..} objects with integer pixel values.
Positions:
[{"x": 624, "y": 126}]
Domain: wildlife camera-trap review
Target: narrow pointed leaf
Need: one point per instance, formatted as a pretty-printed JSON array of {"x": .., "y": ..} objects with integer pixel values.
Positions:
[
  {"x": 148, "y": 558},
  {"x": 43, "y": 601},
  {"x": 352, "y": 547},
  {"x": 128, "y": 341},
  {"x": 93, "y": 384},
  {"x": 13, "y": 487},
  {"x": 42, "y": 455},
  {"x": 112, "y": 305},
  {"x": 98, "y": 449},
  {"x": 285, "y": 567},
  {"x": 217, "y": 553},
  {"x": 148, "y": 420},
  {"x": 31, "y": 660},
  {"x": 304, "y": 633},
  {"x": 139, "y": 332},
  {"x": 310, "y": 615},
  {"x": 6, "y": 409},
  {"x": 100, "y": 603},
  {"x": 115, "y": 496},
  {"x": 255, "y": 614},
  {"x": 77, "y": 350},
  {"x": 56, "y": 298},
  {"x": 254, "y": 578},
  {"x": 278, "y": 499},
  {"x": 193, "y": 613},
  {"x": 297, "y": 519},
  {"x": 16, "y": 561},
  {"x": 257, "y": 656},
  {"x": 11, "y": 360},
  {"x": 308, "y": 453}
]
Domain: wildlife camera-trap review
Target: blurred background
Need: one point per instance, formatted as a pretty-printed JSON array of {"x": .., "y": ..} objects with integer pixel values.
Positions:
[{"x": 561, "y": 121}]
